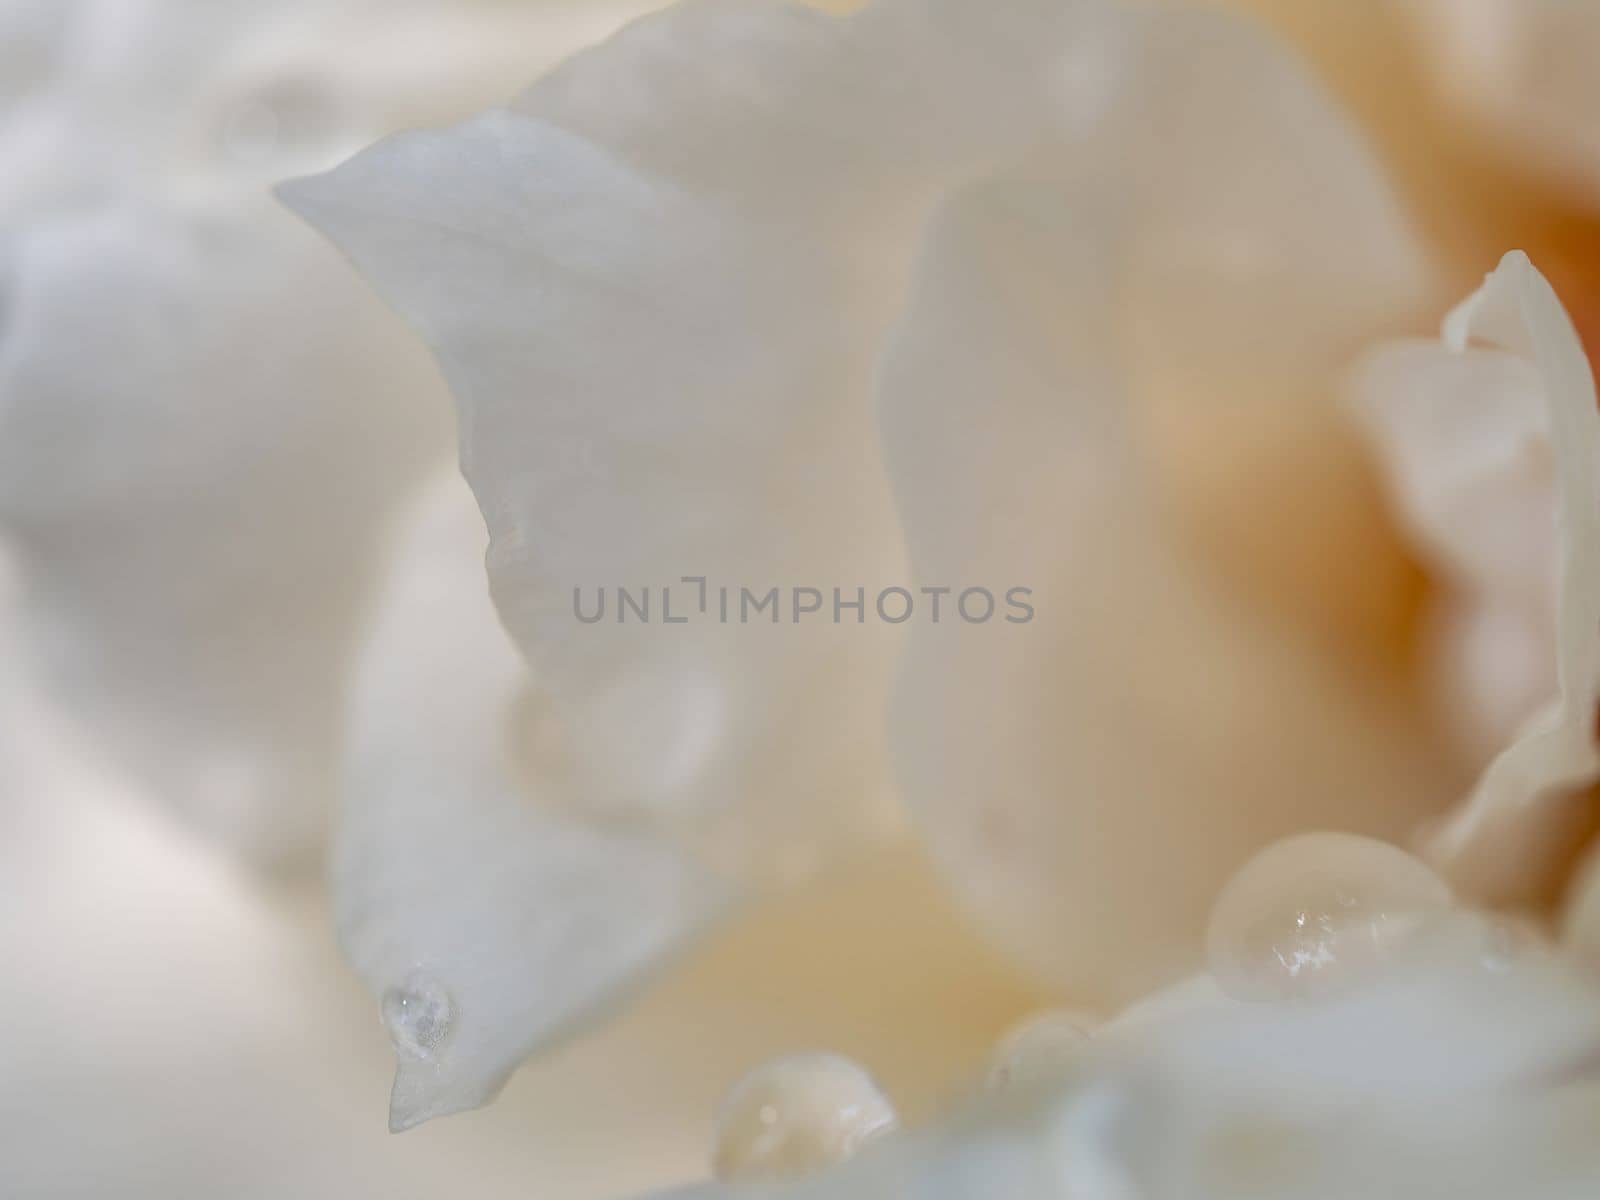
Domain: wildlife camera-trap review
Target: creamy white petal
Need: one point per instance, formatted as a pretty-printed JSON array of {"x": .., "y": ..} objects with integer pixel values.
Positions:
[
  {"x": 316, "y": 83},
  {"x": 171, "y": 93},
  {"x": 454, "y": 882},
  {"x": 1466, "y": 443},
  {"x": 627, "y": 433},
  {"x": 1465, "y": 446},
  {"x": 658, "y": 284},
  {"x": 1091, "y": 776},
  {"x": 1508, "y": 837},
  {"x": 1494, "y": 664}
]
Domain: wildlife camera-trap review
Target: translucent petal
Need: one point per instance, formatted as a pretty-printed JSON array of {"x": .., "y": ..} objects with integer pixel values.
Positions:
[
  {"x": 1465, "y": 444},
  {"x": 31, "y": 33},
  {"x": 658, "y": 285},
  {"x": 1092, "y": 775},
  {"x": 153, "y": 88},
  {"x": 1508, "y": 838},
  {"x": 1494, "y": 667},
  {"x": 486, "y": 923},
  {"x": 1467, "y": 447},
  {"x": 312, "y": 86}
]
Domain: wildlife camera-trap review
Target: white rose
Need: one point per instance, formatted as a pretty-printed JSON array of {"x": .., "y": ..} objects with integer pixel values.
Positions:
[{"x": 1053, "y": 299}]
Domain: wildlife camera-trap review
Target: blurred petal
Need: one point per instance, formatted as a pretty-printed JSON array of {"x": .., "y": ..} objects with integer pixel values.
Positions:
[
  {"x": 1092, "y": 775},
  {"x": 202, "y": 423},
  {"x": 1521, "y": 74},
  {"x": 451, "y": 875},
  {"x": 652, "y": 388},
  {"x": 658, "y": 285},
  {"x": 31, "y": 33},
  {"x": 317, "y": 81},
  {"x": 1507, "y": 839},
  {"x": 1466, "y": 449},
  {"x": 1580, "y": 926},
  {"x": 158, "y": 89}
]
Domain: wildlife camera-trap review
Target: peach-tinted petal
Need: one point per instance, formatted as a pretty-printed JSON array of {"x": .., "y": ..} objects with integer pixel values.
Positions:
[
  {"x": 1092, "y": 775},
  {"x": 1520, "y": 76},
  {"x": 1465, "y": 444},
  {"x": 204, "y": 422}
]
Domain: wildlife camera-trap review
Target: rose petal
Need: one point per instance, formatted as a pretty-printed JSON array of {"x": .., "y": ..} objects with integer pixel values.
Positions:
[
  {"x": 315, "y": 83},
  {"x": 450, "y": 871},
  {"x": 1507, "y": 838},
  {"x": 202, "y": 424},
  {"x": 1466, "y": 448},
  {"x": 1521, "y": 73},
  {"x": 658, "y": 284},
  {"x": 203, "y": 420},
  {"x": 1091, "y": 776},
  {"x": 31, "y": 33}
]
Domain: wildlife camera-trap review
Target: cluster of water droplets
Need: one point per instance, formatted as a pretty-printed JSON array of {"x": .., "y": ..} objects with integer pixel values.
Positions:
[
  {"x": 1307, "y": 918},
  {"x": 1039, "y": 1050}
]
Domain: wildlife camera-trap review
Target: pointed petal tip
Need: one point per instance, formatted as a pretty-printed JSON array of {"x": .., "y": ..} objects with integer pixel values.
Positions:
[
  {"x": 424, "y": 1092},
  {"x": 306, "y": 196},
  {"x": 291, "y": 192}
]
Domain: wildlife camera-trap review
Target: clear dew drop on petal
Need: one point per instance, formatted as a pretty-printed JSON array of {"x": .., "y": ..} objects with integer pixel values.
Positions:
[
  {"x": 795, "y": 1115},
  {"x": 1311, "y": 913},
  {"x": 418, "y": 1015},
  {"x": 1038, "y": 1049}
]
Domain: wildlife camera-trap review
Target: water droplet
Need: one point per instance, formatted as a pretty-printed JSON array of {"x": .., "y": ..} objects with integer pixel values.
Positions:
[
  {"x": 795, "y": 1115},
  {"x": 1038, "y": 1050},
  {"x": 1306, "y": 914},
  {"x": 418, "y": 1016}
]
